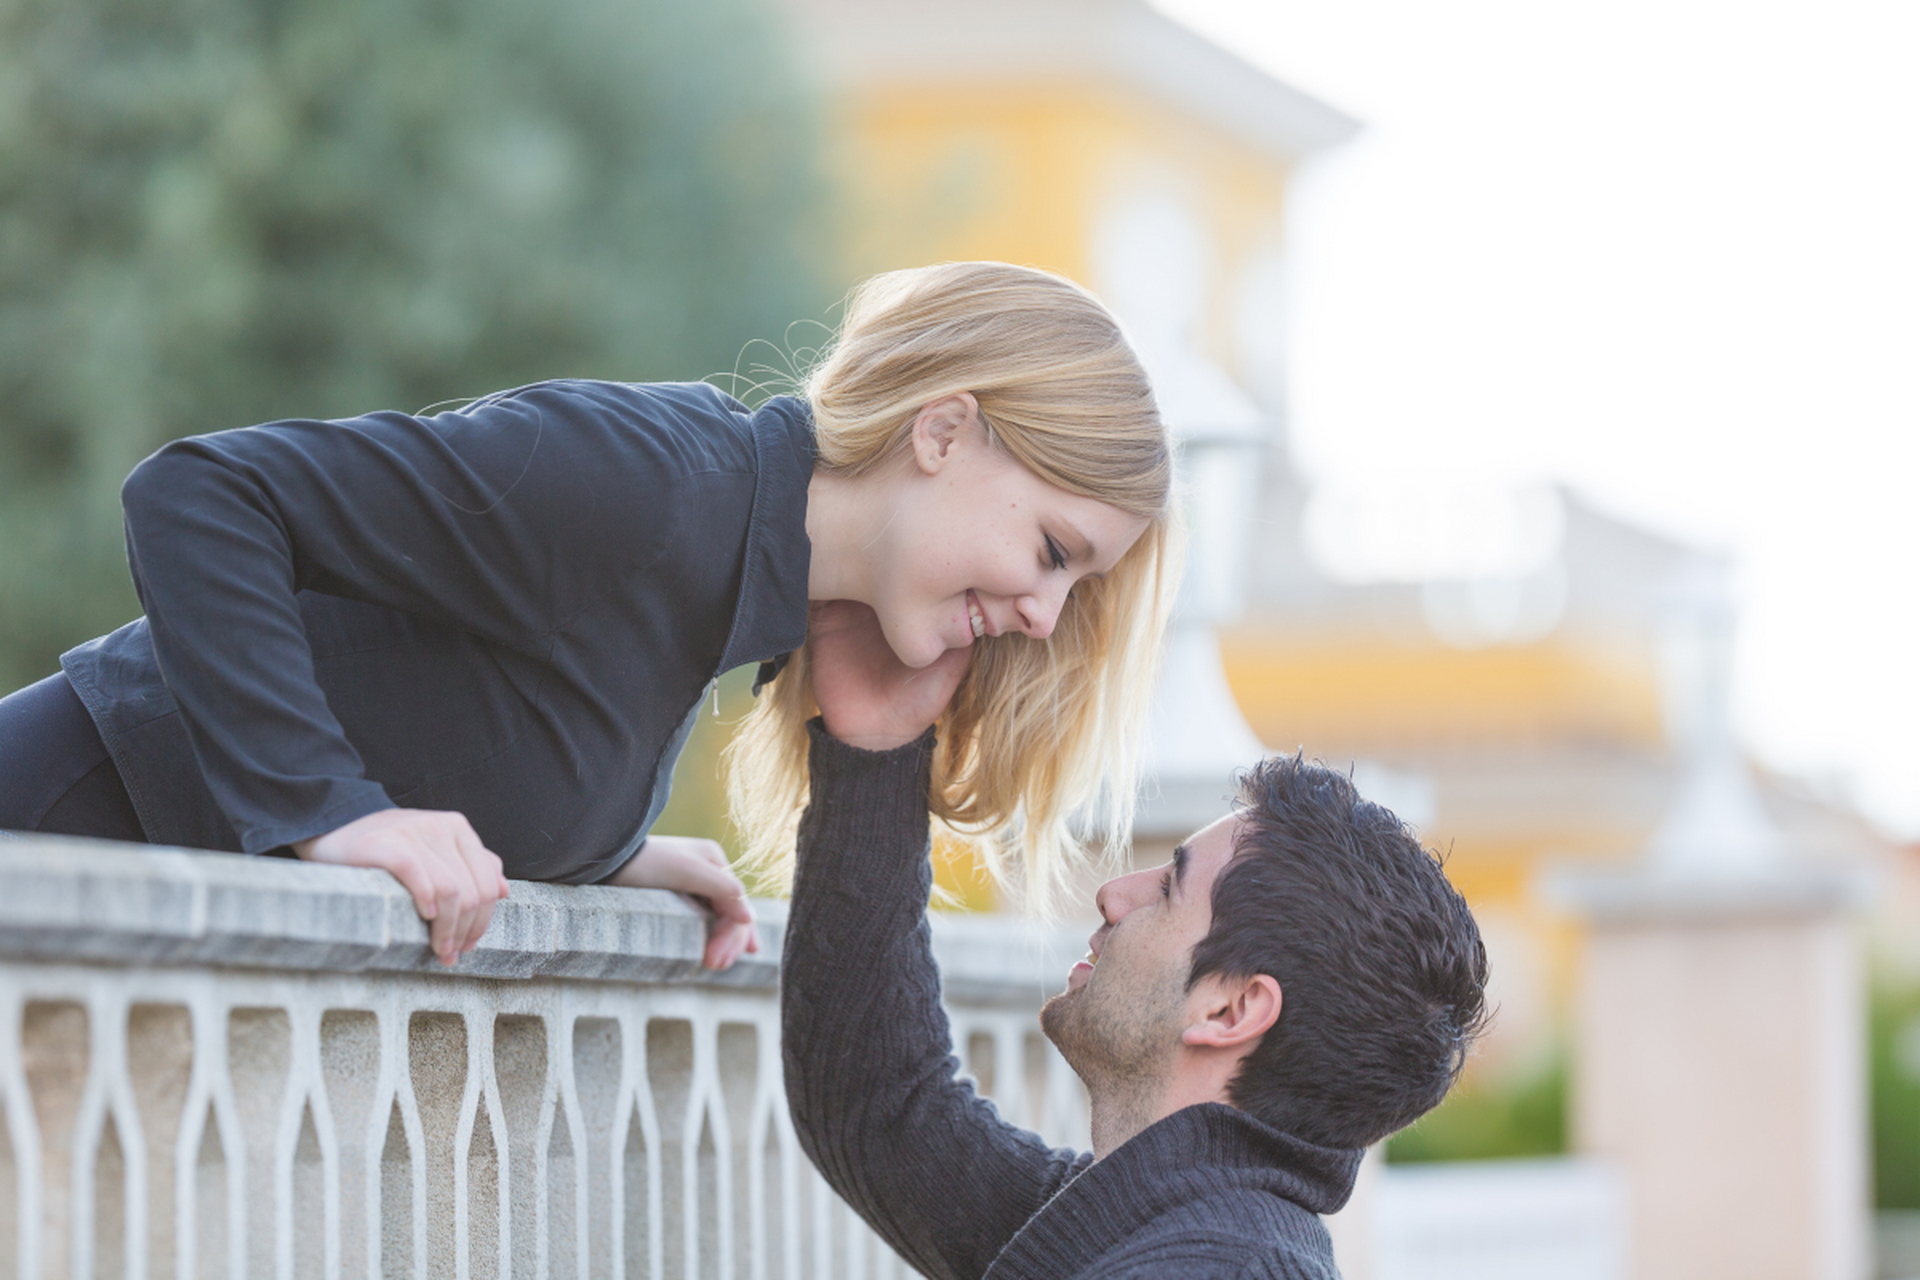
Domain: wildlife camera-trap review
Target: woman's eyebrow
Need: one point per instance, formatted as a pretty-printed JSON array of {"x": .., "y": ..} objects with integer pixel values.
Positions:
[{"x": 1074, "y": 534}]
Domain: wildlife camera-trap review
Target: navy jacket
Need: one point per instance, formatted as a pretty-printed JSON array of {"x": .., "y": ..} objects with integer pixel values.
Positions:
[{"x": 510, "y": 609}]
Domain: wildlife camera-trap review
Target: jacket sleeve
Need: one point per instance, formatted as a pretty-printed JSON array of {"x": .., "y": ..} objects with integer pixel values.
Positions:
[
  {"x": 871, "y": 1075},
  {"x": 498, "y": 518}
]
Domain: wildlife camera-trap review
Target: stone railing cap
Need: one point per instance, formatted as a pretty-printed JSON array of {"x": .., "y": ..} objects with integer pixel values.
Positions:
[{"x": 86, "y": 900}]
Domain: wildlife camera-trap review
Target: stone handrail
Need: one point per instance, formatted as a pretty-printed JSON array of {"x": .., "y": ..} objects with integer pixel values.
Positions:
[{"x": 214, "y": 1065}]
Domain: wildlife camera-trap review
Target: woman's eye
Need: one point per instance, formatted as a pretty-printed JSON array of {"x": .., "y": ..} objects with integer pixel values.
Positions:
[
  {"x": 1166, "y": 885},
  {"x": 1055, "y": 553}
]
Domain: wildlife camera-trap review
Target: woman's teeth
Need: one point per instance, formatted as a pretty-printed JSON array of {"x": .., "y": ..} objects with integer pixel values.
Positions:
[{"x": 978, "y": 619}]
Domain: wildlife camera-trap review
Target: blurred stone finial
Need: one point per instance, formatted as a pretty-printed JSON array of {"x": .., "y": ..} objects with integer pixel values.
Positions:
[{"x": 1717, "y": 824}]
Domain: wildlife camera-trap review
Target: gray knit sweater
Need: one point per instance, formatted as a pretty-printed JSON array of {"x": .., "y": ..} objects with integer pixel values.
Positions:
[{"x": 872, "y": 1085}]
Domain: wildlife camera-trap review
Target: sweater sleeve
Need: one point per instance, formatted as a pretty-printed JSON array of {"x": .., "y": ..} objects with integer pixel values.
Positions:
[
  {"x": 871, "y": 1075},
  {"x": 496, "y": 519}
]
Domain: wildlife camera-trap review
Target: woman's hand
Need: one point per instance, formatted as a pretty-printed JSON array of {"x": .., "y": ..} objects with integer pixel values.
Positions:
[
  {"x": 867, "y": 696},
  {"x": 454, "y": 879},
  {"x": 697, "y": 868}
]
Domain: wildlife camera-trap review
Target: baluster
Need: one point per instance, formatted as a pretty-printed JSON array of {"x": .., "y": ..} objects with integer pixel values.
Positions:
[
  {"x": 641, "y": 1231},
  {"x": 670, "y": 1076},
  {"x": 566, "y": 1173},
  {"x": 483, "y": 1132},
  {"x": 54, "y": 1052},
  {"x": 20, "y": 1177},
  {"x": 737, "y": 1070},
  {"x": 437, "y": 1067},
  {"x": 349, "y": 1079},
  {"x": 258, "y": 1051},
  {"x": 307, "y": 1212},
  {"x": 160, "y": 1062},
  {"x": 520, "y": 1075},
  {"x": 403, "y": 1158},
  {"x": 596, "y": 1075}
]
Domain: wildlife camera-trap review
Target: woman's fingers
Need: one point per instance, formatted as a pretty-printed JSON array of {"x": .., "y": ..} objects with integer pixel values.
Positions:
[
  {"x": 710, "y": 850},
  {"x": 453, "y": 879},
  {"x": 483, "y": 865},
  {"x": 724, "y": 891},
  {"x": 725, "y": 941},
  {"x": 698, "y": 868}
]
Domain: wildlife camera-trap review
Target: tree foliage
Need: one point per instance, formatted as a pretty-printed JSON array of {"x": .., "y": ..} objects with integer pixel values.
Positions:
[{"x": 217, "y": 212}]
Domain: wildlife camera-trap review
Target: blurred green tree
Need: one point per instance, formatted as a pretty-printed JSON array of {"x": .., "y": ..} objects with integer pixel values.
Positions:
[
  {"x": 1893, "y": 1057},
  {"x": 217, "y": 212},
  {"x": 1522, "y": 1115}
]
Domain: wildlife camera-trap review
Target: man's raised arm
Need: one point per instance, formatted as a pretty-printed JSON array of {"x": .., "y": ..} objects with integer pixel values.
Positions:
[{"x": 871, "y": 1075}]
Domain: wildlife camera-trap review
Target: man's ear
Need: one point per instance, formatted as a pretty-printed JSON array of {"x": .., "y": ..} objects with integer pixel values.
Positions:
[
  {"x": 938, "y": 425},
  {"x": 1232, "y": 1013}
]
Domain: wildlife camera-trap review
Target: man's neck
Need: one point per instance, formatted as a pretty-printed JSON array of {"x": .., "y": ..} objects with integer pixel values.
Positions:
[{"x": 1122, "y": 1109}]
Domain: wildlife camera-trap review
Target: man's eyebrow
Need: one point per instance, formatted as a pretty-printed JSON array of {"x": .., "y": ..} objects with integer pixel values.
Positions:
[{"x": 1180, "y": 865}]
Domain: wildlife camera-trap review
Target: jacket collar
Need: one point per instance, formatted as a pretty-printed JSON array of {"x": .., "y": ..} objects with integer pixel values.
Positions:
[
  {"x": 771, "y": 616},
  {"x": 1191, "y": 1155}
]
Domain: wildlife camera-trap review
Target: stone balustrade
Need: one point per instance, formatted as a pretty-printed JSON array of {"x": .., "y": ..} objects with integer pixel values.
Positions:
[{"x": 241, "y": 1067}]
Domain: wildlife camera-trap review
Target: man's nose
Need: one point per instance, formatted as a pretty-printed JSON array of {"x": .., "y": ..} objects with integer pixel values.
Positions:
[{"x": 1120, "y": 895}]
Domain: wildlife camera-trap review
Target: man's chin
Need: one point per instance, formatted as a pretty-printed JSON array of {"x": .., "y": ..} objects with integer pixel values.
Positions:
[
  {"x": 1057, "y": 1014},
  {"x": 1052, "y": 1012}
]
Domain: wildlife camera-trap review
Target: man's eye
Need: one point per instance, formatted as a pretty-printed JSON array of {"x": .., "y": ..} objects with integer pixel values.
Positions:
[
  {"x": 1055, "y": 553},
  {"x": 1166, "y": 885}
]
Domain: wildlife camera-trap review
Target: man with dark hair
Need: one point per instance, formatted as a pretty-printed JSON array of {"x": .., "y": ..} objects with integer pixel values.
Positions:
[{"x": 1297, "y": 983}]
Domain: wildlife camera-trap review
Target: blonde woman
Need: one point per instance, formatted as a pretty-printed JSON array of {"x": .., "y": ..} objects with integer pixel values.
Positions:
[{"x": 469, "y": 645}]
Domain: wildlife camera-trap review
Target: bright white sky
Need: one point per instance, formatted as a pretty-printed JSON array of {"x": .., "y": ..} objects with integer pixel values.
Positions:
[{"x": 1665, "y": 251}]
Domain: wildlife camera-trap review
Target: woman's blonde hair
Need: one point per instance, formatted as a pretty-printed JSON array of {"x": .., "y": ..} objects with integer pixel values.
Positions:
[{"x": 1042, "y": 734}]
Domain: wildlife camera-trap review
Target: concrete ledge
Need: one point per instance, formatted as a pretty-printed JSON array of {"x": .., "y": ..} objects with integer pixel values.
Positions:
[
  {"x": 69, "y": 899},
  {"x": 91, "y": 900}
]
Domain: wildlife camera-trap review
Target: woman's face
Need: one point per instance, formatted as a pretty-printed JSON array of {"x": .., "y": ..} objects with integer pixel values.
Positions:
[{"x": 978, "y": 545}]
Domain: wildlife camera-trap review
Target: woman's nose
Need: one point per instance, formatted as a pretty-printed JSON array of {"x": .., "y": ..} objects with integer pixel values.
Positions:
[{"x": 1040, "y": 610}]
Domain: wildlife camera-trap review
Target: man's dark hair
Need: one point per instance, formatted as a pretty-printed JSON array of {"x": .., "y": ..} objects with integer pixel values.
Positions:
[{"x": 1380, "y": 964}]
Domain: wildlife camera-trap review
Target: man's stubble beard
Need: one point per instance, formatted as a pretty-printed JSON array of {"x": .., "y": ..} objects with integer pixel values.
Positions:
[{"x": 1120, "y": 1043}]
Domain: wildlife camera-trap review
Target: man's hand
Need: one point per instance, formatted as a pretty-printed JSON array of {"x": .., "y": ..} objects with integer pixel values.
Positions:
[
  {"x": 867, "y": 696},
  {"x": 454, "y": 879},
  {"x": 697, "y": 868}
]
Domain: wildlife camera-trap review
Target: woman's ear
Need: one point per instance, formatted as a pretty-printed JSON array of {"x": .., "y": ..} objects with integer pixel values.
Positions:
[{"x": 938, "y": 425}]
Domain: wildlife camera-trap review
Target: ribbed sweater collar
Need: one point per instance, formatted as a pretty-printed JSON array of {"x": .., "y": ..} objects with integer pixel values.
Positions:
[{"x": 1191, "y": 1156}]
